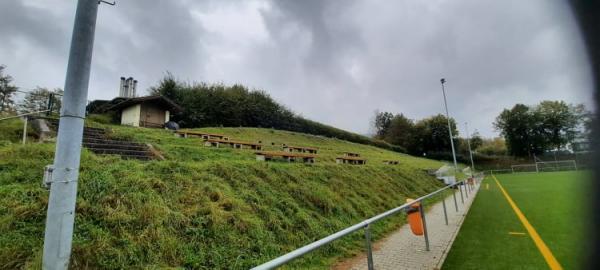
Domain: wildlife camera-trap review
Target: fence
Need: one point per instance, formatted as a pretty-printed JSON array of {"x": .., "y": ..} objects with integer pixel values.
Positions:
[
  {"x": 26, "y": 117},
  {"x": 366, "y": 223}
]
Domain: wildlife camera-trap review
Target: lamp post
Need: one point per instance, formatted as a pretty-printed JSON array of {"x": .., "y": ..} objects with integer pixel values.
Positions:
[
  {"x": 470, "y": 152},
  {"x": 449, "y": 127}
]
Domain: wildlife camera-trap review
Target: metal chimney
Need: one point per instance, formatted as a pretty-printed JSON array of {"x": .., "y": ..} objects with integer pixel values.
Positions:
[
  {"x": 122, "y": 87},
  {"x": 134, "y": 89}
]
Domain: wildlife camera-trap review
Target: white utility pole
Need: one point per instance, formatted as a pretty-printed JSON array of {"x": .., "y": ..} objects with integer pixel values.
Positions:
[{"x": 63, "y": 187}]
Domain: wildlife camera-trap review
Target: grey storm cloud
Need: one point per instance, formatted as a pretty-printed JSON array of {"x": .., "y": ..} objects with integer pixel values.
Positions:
[{"x": 331, "y": 61}]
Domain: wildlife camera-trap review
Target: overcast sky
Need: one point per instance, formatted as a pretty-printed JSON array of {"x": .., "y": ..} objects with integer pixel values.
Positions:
[{"x": 333, "y": 61}]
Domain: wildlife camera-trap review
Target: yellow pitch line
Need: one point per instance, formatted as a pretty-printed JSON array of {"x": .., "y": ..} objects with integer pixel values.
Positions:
[
  {"x": 546, "y": 253},
  {"x": 516, "y": 233}
]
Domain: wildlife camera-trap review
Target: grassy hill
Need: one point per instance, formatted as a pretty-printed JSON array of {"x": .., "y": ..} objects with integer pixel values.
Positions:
[{"x": 204, "y": 208}]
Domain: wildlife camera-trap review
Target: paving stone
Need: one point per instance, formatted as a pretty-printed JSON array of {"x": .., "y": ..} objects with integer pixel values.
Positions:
[{"x": 404, "y": 250}]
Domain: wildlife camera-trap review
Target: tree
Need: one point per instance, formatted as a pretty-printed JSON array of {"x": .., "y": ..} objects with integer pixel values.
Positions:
[
  {"x": 493, "y": 147},
  {"x": 431, "y": 135},
  {"x": 7, "y": 92},
  {"x": 382, "y": 123},
  {"x": 517, "y": 127},
  {"x": 549, "y": 125},
  {"x": 476, "y": 140},
  {"x": 559, "y": 122},
  {"x": 39, "y": 99},
  {"x": 400, "y": 131},
  {"x": 168, "y": 87}
]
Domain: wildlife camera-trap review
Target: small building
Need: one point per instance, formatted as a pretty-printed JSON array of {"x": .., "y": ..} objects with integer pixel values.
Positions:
[{"x": 149, "y": 111}]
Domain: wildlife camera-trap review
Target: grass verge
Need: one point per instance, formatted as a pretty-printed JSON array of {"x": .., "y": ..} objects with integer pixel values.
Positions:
[{"x": 205, "y": 208}]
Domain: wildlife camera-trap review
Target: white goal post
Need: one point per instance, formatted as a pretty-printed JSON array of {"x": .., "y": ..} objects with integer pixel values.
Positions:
[
  {"x": 520, "y": 168},
  {"x": 561, "y": 165},
  {"x": 545, "y": 166}
]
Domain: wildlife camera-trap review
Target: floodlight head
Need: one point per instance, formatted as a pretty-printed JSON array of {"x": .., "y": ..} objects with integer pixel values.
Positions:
[{"x": 442, "y": 80}]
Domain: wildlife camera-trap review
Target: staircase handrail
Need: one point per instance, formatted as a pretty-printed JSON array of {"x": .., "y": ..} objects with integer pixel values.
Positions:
[{"x": 23, "y": 114}]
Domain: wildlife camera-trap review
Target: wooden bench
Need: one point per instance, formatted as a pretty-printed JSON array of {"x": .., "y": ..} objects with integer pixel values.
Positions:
[
  {"x": 233, "y": 143},
  {"x": 268, "y": 155},
  {"x": 391, "y": 162},
  {"x": 350, "y": 160},
  {"x": 203, "y": 135},
  {"x": 350, "y": 154},
  {"x": 300, "y": 149}
]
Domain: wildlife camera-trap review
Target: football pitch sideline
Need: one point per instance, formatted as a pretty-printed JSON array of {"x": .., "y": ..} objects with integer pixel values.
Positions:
[{"x": 525, "y": 221}]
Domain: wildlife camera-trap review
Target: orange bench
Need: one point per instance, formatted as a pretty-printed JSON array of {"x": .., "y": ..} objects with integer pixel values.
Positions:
[
  {"x": 268, "y": 155},
  {"x": 233, "y": 143}
]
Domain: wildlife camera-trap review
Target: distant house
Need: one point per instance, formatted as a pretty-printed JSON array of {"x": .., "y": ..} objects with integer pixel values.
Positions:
[{"x": 149, "y": 111}]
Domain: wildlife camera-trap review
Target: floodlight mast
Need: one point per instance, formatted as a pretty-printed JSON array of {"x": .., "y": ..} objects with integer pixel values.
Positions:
[
  {"x": 63, "y": 188},
  {"x": 442, "y": 80},
  {"x": 470, "y": 152}
]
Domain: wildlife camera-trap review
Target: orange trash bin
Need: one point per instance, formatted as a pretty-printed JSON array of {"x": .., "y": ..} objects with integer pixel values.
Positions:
[{"x": 414, "y": 218}]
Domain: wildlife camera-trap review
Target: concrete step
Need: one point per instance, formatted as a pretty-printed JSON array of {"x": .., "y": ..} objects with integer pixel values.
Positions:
[
  {"x": 122, "y": 152},
  {"x": 113, "y": 142},
  {"x": 95, "y": 129},
  {"x": 95, "y": 139},
  {"x": 115, "y": 146},
  {"x": 136, "y": 157}
]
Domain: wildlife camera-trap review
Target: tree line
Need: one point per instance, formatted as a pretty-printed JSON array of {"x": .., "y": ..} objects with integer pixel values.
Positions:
[
  {"x": 424, "y": 137},
  {"x": 38, "y": 99},
  {"x": 525, "y": 130},
  {"x": 547, "y": 126},
  {"x": 206, "y": 105}
]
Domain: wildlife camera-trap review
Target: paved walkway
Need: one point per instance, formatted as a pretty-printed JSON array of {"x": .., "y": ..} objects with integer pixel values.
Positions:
[{"x": 403, "y": 250}]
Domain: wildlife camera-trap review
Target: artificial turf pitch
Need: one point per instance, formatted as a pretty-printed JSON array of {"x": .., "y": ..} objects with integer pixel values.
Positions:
[{"x": 493, "y": 237}]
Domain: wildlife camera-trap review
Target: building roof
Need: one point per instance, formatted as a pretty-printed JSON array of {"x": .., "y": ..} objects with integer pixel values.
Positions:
[{"x": 163, "y": 101}]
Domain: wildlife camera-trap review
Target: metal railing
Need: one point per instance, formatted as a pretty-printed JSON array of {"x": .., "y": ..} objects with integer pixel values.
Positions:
[
  {"x": 365, "y": 224},
  {"x": 21, "y": 115},
  {"x": 24, "y": 121}
]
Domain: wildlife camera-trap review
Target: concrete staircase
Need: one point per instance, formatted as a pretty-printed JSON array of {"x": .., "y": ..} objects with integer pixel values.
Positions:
[{"x": 97, "y": 141}]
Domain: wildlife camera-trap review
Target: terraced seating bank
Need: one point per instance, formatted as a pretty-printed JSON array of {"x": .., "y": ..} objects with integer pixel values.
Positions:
[{"x": 290, "y": 157}]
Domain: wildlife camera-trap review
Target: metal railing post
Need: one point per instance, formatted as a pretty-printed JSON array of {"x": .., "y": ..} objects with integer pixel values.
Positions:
[
  {"x": 25, "y": 130},
  {"x": 466, "y": 191},
  {"x": 455, "y": 203},
  {"x": 462, "y": 200},
  {"x": 422, "y": 212},
  {"x": 369, "y": 250},
  {"x": 445, "y": 213},
  {"x": 297, "y": 253}
]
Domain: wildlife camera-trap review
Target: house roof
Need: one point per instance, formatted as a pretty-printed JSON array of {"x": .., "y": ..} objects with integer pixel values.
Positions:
[{"x": 163, "y": 101}]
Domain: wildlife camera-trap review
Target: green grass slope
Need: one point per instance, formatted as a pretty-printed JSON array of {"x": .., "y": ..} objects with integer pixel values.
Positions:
[{"x": 205, "y": 208}]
